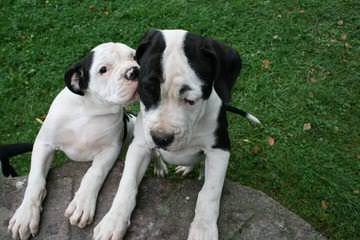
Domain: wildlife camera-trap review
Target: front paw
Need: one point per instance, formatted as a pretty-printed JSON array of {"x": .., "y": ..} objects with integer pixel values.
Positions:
[
  {"x": 203, "y": 230},
  {"x": 160, "y": 168},
  {"x": 81, "y": 209},
  {"x": 111, "y": 227},
  {"x": 183, "y": 170},
  {"x": 25, "y": 221}
]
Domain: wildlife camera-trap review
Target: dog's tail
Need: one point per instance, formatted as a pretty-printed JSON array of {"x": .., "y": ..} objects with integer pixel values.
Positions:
[
  {"x": 8, "y": 151},
  {"x": 241, "y": 112}
]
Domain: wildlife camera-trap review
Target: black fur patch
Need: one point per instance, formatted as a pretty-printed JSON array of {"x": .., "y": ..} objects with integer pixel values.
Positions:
[
  {"x": 78, "y": 73},
  {"x": 148, "y": 55},
  {"x": 221, "y": 132},
  {"x": 214, "y": 63},
  {"x": 10, "y": 150},
  {"x": 202, "y": 65}
]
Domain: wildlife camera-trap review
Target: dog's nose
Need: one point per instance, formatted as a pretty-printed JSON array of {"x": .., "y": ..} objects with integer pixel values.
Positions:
[
  {"x": 132, "y": 73},
  {"x": 162, "y": 140}
]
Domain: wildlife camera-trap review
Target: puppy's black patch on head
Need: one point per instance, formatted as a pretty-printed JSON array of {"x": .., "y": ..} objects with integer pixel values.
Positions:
[
  {"x": 77, "y": 76},
  {"x": 214, "y": 63},
  {"x": 148, "y": 55},
  {"x": 221, "y": 132}
]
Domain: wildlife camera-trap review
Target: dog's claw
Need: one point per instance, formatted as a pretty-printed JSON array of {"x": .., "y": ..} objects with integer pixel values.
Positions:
[
  {"x": 183, "y": 170},
  {"x": 160, "y": 168}
]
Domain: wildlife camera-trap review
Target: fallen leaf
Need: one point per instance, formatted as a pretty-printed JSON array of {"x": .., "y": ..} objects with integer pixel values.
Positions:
[
  {"x": 307, "y": 126},
  {"x": 255, "y": 150},
  {"x": 91, "y": 7},
  {"x": 246, "y": 140},
  {"x": 340, "y": 22},
  {"x": 271, "y": 140},
  {"x": 301, "y": 11},
  {"x": 348, "y": 45},
  {"x": 266, "y": 63},
  {"x": 324, "y": 204},
  {"x": 356, "y": 191},
  {"x": 39, "y": 120},
  {"x": 343, "y": 36},
  {"x": 106, "y": 12}
]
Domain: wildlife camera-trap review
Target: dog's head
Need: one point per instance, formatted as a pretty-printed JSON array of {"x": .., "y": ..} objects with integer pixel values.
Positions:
[
  {"x": 179, "y": 72},
  {"x": 109, "y": 72}
]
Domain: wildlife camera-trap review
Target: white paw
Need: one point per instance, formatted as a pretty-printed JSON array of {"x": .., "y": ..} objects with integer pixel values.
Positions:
[
  {"x": 202, "y": 230},
  {"x": 25, "y": 221},
  {"x": 160, "y": 168},
  {"x": 184, "y": 170},
  {"x": 110, "y": 227},
  {"x": 81, "y": 209}
]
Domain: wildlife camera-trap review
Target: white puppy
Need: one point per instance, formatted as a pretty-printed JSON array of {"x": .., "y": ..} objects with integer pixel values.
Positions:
[
  {"x": 185, "y": 84},
  {"x": 88, "y": 123}
]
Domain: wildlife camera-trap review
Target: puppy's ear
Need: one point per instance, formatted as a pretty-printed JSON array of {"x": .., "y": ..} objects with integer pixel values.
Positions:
[
  {"x": 77, "y": 76},
  {"x": 145, "y": 43},
  {"x": 227, "y": 64}
]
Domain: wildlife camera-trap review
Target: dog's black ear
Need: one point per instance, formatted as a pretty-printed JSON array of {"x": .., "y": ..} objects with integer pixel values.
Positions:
[
  {"x": 77, "y": 76},
  {"x": 145, "y": 43},
  {"x": 227, "y": 64}
]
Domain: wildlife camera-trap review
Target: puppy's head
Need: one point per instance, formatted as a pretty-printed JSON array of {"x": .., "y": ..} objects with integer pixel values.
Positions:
[
  {"x": 179, "y": 72},
  {"x": 109, "y": 72}
]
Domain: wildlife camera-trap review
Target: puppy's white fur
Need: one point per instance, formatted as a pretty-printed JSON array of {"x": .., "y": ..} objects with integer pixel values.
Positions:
[{"x": 85, "y": 128}]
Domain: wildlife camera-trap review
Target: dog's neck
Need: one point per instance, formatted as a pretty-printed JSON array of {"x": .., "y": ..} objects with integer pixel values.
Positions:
[{"x": 95, "y": 106}]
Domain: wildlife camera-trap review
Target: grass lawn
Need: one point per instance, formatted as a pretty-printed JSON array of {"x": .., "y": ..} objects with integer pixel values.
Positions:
[{"x": 301, "y": 66}]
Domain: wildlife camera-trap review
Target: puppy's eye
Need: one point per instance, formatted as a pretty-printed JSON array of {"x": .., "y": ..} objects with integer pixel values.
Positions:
[
  {"x": 103, "y": 70},
  {"x": 190, "y": 102}
]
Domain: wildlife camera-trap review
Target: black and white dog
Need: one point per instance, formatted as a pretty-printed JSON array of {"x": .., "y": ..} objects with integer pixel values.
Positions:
[
  {"x": 88, "y": 123},
  {"x": 184, "y": 84}
]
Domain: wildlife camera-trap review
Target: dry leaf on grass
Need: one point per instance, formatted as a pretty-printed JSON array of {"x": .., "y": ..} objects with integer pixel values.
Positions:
[
  {"x": 356, "y": 191},
  {"x": 266, "y": 63},
  {"x": 255, "y": 150},
  {"x": 324, "y": 204},
  {"x": 343, "y": 36},
  {"x": 271, "y": 140},
  {"x": 307, "y": 126}
]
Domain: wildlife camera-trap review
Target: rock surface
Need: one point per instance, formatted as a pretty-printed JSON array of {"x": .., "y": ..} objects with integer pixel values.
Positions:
[{"x": 164, "y": 211}]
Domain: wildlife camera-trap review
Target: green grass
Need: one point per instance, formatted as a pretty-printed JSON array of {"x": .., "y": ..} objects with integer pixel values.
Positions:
[{"x": 311, "y": 74}]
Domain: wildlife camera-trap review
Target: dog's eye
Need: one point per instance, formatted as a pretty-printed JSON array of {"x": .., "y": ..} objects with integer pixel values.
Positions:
[
  {"x": 190, "y": 102},
  {"x": 103, "y": 70}
]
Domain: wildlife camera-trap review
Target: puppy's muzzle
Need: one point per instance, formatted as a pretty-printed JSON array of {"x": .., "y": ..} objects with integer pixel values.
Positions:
[
  {"x": 162, "y": 140},
  {"x": 132, "y": 73}
]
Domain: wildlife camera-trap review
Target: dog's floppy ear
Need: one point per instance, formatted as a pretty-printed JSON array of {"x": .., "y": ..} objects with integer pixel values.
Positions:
[
  {"x": 227, "y": 64},
  {"x": 77, "y": 76},
  {"x": 144, "y": 43}
]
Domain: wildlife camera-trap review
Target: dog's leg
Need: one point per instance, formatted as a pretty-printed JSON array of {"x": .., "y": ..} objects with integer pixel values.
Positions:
[
  {"x": 115, "y": 223},
  {"x": 81, "y": 209},
  {"x": 204, "y": 225},
  {"x": 26, "y": 219}
]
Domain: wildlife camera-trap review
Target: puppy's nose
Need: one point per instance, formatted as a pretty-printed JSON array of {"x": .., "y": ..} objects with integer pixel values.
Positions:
[
  {"x": 162, "y": 140},
  {"x": 132, "y": 73}
]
